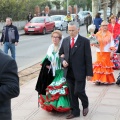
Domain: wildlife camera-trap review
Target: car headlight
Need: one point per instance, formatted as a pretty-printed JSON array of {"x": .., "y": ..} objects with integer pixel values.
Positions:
[
  {"x": 26, "y": 26},
  {"x": 37, "y": 26}
]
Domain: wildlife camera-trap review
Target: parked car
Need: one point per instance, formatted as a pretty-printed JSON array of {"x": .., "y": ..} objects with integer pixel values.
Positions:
[
  {"x": 39, "y": 25},
  {"x": 85, "y": 13},
  {"x": 81, "y": 17},
  {"x": 59, "y": 21}
]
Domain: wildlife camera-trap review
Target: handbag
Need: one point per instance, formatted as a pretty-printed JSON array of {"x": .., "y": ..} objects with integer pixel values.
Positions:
[{"x": 91, "y": 28}]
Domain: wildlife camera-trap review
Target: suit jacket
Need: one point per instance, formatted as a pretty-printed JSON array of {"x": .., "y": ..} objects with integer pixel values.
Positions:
[
  {"x": 81, "y": 57},
  {"x": 9, "y": 85}
]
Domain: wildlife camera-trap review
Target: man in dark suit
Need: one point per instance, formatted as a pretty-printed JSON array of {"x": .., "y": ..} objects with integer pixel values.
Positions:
[
  {"x": 9, "y": 85},
  {"x": 77, "y": 64}
]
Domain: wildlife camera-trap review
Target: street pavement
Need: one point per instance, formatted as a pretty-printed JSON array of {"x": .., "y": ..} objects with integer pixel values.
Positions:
[{"x": 104, "y": 102}]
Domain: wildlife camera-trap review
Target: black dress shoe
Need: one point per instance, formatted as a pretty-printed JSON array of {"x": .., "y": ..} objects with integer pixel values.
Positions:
[
  {"x": 71, "y": 116},
  {"x": 85, "y": 111}
]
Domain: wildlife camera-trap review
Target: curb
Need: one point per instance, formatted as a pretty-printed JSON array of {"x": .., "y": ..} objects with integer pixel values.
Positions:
[{"x": 29, "y": 65}]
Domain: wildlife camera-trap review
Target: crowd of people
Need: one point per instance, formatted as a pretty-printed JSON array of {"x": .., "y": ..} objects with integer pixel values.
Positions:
[{"x": 66, "y": 66}]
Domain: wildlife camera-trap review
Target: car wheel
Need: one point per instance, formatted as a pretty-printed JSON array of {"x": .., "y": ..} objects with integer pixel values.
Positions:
[
  {"x": 44, "y": 31},
  {"x": 61, "y": 28}
]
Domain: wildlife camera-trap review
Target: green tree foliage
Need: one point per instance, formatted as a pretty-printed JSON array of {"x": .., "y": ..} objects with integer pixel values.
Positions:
[{"x": 19, "y": 9}]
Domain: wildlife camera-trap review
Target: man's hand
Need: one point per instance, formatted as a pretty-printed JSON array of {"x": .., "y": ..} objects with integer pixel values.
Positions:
[
  {"x": 1, "y": 43},
  {"x": 89, "y": 78},
  {"x": 16, "y": 43},
  {"x": 62, "y": 56},
  {"x": 65, "y": 64}
]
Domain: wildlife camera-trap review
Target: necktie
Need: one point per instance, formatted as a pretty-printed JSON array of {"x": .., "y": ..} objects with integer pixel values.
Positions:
[{"x": 72, "y": 43}]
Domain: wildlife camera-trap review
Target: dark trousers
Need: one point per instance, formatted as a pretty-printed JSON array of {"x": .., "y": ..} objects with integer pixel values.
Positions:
[
  {"x": 76, "y": 90},
  {"x": 96, "y": 30}
]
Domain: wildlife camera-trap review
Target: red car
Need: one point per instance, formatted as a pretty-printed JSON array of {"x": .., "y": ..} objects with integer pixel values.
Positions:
[{"x": 39, "y": 25}]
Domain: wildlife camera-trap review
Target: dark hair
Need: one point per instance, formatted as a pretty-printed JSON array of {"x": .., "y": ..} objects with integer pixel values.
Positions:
[{"x": 97, "y": 15}]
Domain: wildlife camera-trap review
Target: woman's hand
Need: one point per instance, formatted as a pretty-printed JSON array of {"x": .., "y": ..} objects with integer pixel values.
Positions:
[{"x": 47, "y": 66}]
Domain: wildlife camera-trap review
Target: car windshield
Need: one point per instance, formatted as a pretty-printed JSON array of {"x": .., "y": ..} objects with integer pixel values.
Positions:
[
  {"x": 37, "y": 20},
  {"x": 56, "y": 18}
]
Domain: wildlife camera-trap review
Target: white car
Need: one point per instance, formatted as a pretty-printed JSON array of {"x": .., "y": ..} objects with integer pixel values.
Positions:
[
  {"x": 85, "y": 13},
  {"x": 59, "y": 21},
  {"x": 81, "y": 17}
]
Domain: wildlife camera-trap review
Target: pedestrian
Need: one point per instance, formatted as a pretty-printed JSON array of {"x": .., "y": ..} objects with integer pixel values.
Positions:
[
  {"x": 97, "y": 22},
  {"x": 10, "y": 37},
  {"x": 51, "y": 85},
  {"x": 43, "y": 13},
  {"x": 114, "y": 28},
  {"x": 77, "y": 64},
  {"x": 29, "y": 17},
  {"x": 103, "y": 67},
  {"x": 9, "y": 85},
  {"x": 88, "y": 21}
]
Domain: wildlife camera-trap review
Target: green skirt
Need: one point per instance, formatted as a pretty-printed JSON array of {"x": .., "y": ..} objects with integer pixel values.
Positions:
[{"x": 56, "y": 98}]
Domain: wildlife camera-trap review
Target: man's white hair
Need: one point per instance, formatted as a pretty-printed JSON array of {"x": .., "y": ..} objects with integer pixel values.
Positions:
[{"x": 74, "y": 23}]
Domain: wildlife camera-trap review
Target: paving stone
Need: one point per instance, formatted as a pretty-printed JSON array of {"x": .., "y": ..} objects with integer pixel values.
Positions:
[
  {"x": 111, "y": 102},
  {"x": 101, "y": 116},
  {"x": 107, "y": 109}
]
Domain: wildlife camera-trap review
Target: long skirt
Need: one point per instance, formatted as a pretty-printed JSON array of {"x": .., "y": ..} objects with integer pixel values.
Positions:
[
  {"x": 103, "y": 69},
  {"x": 56, "y": 98}
]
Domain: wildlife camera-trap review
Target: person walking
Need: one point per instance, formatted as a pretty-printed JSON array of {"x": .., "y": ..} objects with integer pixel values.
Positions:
[
  {"x": 114, "y": 28},
  {"x": 97, "y": 22},
  {"x": 68, "y": 18},
  {"x": 77, "y": 64},
  {"x": 10, "y": 37},
  {"x": 43, "y": 13},
  {"x": 103, "y": 67},
  {"x": 29, "y": 17},
  {"x": 51, "y": 84},
  {"x": 88, "y": 21},
  {"x": 9, "y": 85}
]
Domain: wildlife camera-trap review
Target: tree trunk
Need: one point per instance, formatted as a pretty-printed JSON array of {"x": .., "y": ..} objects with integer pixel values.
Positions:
[
  {"x": 95, "y": 7},
  {"x": 114, "y": 8},
  {"x": 105, "y": 10},
  {"x": 118, "y": 5}
]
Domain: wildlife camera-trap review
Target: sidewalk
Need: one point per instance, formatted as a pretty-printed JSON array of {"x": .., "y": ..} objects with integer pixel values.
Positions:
[{"x": 104, "y": 103}]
